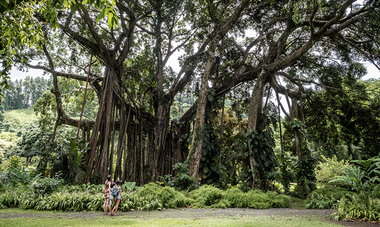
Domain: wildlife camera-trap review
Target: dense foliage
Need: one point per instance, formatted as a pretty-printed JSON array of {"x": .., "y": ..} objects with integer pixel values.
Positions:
[
  {"x": 49, "y": 196},
  {"x": 354, "y": 191},
  {"x": 24, "y": 93},
  {"x": 237, "y": 95}
]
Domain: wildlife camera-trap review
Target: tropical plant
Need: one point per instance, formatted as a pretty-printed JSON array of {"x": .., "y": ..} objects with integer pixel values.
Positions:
[
  {"x": 325, "y": 197},
  {"x": 358, "y": 207},
  {"x": 45, "y": 185},
  {"x": 328, "y": 168},
  {"x": 362, "y": 176},
  {"x": 181, "y": 180},
  {"x": 129, "y": 186}
]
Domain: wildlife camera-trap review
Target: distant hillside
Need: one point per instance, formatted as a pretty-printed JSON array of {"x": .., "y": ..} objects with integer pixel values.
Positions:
[{"x": 16, "y": 119}]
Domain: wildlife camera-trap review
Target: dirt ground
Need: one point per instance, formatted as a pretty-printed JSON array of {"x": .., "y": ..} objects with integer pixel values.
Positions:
[{"x": 190, "y": 213}]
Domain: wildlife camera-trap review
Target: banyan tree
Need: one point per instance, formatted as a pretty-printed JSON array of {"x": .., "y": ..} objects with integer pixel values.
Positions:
[{"x": 125, "y": 52}]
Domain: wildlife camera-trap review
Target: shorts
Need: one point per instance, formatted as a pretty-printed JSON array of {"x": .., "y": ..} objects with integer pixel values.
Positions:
[{"x": 115, "y": 198}]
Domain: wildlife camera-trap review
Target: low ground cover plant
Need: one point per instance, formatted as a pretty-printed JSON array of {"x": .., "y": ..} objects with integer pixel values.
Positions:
[
  {"x": 358, "y": 207},
  {"x": 151, "y": 196},
  {"x": 325, "y": 197},
  {"x": 354, "y": 193}
]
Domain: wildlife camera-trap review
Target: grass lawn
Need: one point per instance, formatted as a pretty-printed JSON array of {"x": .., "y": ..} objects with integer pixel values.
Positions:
[{"x": 56, "y": 219}]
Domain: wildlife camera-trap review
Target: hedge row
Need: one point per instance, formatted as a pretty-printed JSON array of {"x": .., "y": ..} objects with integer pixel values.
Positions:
[{"x": 149, "y": 197}]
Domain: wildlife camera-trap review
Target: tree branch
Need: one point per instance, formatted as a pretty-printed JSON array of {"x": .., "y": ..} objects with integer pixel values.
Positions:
[
  {"x": 61, "y": 74},
  {"x": 84, "y": 14},
  {"x": 62, "y": 117}
]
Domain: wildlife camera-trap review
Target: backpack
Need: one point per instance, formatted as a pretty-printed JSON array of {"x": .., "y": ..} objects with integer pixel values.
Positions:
[{"x": 115, "y": 191}]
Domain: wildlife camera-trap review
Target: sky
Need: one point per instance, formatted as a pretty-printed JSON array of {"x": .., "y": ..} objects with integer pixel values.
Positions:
[
  {"x": 372, "y": 71},
  {"x": 16, "y": 74}
]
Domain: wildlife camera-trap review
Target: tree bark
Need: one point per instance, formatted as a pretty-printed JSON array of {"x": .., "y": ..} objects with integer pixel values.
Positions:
[
  {"x": 121, "y": 140},
  {"x": 297, "y": 136},
  {"x": 160, "y": 136},
  {"x": 197, "y": 140},
  {"x": 253, "y": 117}
]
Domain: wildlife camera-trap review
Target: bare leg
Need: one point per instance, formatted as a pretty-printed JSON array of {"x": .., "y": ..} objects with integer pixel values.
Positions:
[
  {"x": 109, "y": 205},
  {"x": 115, "y": 207},
  {"x": 106, "y": 202}
]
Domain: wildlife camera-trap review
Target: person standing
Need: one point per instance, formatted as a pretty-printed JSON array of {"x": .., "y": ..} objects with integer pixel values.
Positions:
[
  {"x": 106, "y": 191},
  {"x": 116, "y": 196}
]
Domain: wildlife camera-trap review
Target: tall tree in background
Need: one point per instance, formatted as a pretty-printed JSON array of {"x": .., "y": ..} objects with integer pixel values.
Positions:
[
  {"x": 24, "y": 93},
  {"x": 343, "y": 119}
]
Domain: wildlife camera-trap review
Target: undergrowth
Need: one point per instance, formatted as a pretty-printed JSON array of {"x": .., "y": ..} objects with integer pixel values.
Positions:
[
  {"x": 325, "y": 197},
  {"x": 151, "y": 196}
]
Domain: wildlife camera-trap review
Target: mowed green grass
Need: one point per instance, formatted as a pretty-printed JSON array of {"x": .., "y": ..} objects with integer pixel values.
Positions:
[
  {"x": 55, "y": 219},
  {"x": 264, "y": 221}
]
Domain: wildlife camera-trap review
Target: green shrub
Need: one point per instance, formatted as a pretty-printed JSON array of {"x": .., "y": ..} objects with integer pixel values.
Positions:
[
  {"x": 30, "y": 202},
  {"x": 149, "y": 191},
  {"x": 363, "y": 175},
  {"x": 167, "y": 196},
  {"x": 24, "y": 176},
  {"x": 127, "y": 204},
  {"x": 329, "y": 168},
  {"x": 256, "y": 199},
  {"x": 325, "y": 197},
  {"x": 69, "y": 202},
  {"x": 182, "y": 179},
  {"x": 235, "y": 197},
  {"x": 278, "y": 200},
  {"x": 149, "y": 197},
  {"x": 209, "y": 196},
  {"x": 358, "y": 206},
  {"x": 46, "y": 185},
  {"x": 14, "y": 163},
  {"x": 14, "y": 196},
  {"x": 206, "y": 196},
  {"x": 3, "y": 180},
  {"x": 171, "y": 198},
  {"x": 90, "y": 188},
  {"x": 128, "y": 186},
  {"x": 353, "y": 178}
]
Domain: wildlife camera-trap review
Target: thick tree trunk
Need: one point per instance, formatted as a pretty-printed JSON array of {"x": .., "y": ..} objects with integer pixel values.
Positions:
[
  {"x": 160, "y": 138},
  {"x": 141, "y": 155},
  {"x": 297, "y": 136},
  {"x": 305, "y": 175},
  {"x": 121, "y": 142},
  {"x": 177, "y": 142},
  {"x": 253, "y": 116},
  {"x": 197, "y": 141},
  {"x": 102, "y": 168},
  {"x": 130, "y": 159},
  {"x": 222, "y": 128},
  {"x": 103, "y": 130}
]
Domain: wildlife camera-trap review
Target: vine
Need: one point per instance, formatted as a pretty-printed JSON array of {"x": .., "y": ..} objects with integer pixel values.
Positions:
[{"x": 262, "y": 143}]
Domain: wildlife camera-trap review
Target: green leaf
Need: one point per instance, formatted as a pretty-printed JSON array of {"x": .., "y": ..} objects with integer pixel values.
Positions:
[
  {"x": 101, "y": 15},
  {"x": 210, "y": 98},
  {"x": 110, "y": 16}
]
